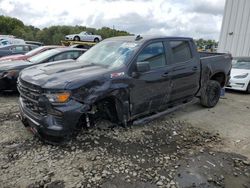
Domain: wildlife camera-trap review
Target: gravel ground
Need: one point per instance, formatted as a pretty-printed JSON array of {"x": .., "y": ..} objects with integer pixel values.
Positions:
[{"x": 169, "y": 152}]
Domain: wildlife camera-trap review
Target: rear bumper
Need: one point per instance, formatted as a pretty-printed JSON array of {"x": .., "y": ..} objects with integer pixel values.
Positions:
[{"x": 53, "y": 127}]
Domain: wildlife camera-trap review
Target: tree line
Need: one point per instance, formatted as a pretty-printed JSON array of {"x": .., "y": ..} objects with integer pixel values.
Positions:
[
  {"x": 50, "y": 35},
  {"x": 54, "y": 34}
]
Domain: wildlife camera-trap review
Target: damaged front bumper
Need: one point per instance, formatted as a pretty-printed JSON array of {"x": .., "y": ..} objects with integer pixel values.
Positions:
[{"x": 53, "y": 127}]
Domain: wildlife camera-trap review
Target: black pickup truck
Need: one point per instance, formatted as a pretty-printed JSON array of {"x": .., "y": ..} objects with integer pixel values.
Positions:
[{"x": 123, "y": 79}]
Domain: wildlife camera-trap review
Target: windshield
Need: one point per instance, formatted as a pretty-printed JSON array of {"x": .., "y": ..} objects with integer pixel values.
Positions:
[
  {"x": 111, "y": 54},
  {"x": 43, "y": 56},
  {"x": 241, "y": 64}
]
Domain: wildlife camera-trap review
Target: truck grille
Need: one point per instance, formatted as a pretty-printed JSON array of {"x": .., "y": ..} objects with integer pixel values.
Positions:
[{"x": 30, "y": 95}]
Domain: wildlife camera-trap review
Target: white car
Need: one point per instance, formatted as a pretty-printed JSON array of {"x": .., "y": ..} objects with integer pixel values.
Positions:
[
  {"x": 240, "y": 75},
  {"x": 84, "y": 36}
]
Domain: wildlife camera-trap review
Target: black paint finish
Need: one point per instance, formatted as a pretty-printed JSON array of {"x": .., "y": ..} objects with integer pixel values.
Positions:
[{"x": 134, "y": 94}]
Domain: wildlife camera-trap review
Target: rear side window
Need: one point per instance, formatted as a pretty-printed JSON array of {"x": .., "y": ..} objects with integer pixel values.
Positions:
[
  {"x": 154, "y": 54},
  {"x": 26, "y": 48},
  {"x": 181, "y": 51}
]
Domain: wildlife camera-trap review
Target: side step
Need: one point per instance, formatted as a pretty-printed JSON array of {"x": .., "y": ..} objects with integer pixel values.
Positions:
[{"x": 155, "y": 116}]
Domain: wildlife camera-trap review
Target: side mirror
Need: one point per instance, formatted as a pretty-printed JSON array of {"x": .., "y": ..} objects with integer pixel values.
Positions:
[{"x": 143, "y": 66}]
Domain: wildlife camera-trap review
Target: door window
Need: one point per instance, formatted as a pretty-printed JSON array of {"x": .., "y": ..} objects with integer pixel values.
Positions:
[
  {"x": 181, "y": 51},
  {"x": 154, "y": 54},
  {"x": 73, "y": 55},
  {"x": 67, "y": 55},
  {"x": 18, "y": 49},
  {"x": 59, "y": 57}
]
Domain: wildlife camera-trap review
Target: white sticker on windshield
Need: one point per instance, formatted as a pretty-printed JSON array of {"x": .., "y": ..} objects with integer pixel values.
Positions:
[{"x": 117, "y": 74}]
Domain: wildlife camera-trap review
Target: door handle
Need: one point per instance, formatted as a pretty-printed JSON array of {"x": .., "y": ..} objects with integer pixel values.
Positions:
[
  {"x": 195, "y": 68},
  {"x": 165, "y": 74}
]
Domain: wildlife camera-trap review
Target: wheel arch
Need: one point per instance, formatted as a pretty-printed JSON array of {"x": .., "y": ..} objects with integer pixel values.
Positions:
[
  {"x": 219, "y": 77},
  {"x": 118, "y": 102}
]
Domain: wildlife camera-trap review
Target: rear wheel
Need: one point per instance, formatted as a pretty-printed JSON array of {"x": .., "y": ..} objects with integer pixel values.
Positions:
[
  {"x": 76, "y": 38},
  {"x": 211, "y": 94},
  {"x": 96, "y": 40}
]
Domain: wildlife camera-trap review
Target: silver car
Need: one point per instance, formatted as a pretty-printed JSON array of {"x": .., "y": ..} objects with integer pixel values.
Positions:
[{"x": 84, "y": 36}]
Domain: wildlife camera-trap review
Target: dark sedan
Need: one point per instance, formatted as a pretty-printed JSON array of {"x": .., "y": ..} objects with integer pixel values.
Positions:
[
  {"x": 16, "y": 49},
  {"x": 9, "y": 71}
]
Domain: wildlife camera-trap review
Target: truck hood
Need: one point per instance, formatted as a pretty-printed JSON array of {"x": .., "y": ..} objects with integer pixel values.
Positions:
[
  {"x": 235, "y": 72},
  {"x": 62, "y": 75},
  {"x": 14, "y": 65}
]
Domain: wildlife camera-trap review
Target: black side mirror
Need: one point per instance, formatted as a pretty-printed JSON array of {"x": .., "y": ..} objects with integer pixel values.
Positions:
[{"x": 143, "y": 66}]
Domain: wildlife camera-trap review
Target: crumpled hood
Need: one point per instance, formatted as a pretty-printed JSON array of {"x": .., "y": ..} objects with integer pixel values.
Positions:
[
  {"x": 235, "y": 72},
  {"x": 14, "y": 65},
  {"x": 68, "y": 74}
]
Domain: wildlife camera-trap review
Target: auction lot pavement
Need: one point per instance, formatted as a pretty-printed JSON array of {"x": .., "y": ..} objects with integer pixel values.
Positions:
[{"x": 192, "y": 147}]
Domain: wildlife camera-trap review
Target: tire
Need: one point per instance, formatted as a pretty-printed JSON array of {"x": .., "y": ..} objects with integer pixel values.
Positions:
[
  {"x": 96, "y": 40},
  {"x": 248, "y": 88},
  {"x": 76, "y": 38},
  {"x": 210, "y": 96}
]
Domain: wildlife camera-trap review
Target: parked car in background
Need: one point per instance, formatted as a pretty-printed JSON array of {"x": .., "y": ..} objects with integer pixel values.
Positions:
[
  {"x": 16, "y": 49},
  {"x": 9, "y": 71},
  {"x": 121, "y": 79},
  {"x": 84, "y": 36},
  {"x": 28, "y": 54},
  {"x": 5, "y": 40},
  {"x": 240, "y": 74},
  {"x": 34, "y": 43}
]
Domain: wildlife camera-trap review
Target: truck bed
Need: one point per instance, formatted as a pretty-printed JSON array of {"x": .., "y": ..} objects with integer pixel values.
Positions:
[
  {"x": 212, "y": 63},
  {"x": 209, "y": 54}
]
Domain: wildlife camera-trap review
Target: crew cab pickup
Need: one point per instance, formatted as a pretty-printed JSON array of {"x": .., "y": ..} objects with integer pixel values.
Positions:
[{"x": 122, "y": 79}]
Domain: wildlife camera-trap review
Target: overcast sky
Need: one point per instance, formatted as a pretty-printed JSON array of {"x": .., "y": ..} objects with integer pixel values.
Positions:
[{"x": 194, "y": 18}]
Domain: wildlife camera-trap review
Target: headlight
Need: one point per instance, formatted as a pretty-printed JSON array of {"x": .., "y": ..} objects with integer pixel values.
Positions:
[
  {"x": 241, "y": 76},
  {"x": 58, "y": 97}
]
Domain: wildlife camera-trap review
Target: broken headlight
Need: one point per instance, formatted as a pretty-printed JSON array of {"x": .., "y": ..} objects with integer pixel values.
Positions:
[{"x": 58, "y": 97}]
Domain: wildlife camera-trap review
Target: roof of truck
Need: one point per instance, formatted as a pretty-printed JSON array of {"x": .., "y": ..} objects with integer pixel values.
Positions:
[{"x": 143, "y": 38}]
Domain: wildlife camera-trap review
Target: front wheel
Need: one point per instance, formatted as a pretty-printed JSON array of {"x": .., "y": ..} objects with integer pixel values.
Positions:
[{"x": 211, "y": 94}]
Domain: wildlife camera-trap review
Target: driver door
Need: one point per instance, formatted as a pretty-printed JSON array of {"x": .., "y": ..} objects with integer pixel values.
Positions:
[{"x": 150, "y": 88}]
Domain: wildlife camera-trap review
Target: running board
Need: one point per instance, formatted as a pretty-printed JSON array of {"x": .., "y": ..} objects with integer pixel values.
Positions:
[{"x": 155, "y": 116}]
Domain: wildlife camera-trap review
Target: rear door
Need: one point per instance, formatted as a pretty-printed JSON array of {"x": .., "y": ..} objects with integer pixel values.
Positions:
[
  {"x": 185, "y": 69},
  {"x": 150, "y": 88}
]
